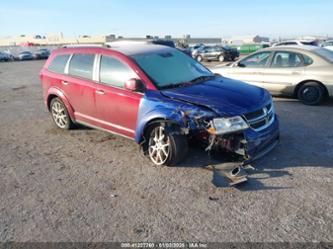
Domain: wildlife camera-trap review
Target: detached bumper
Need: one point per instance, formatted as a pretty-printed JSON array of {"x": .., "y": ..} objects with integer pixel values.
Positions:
[{"x": 260, "y": 143}]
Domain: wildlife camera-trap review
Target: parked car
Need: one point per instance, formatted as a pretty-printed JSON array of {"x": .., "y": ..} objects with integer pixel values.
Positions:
[
  {"x": 159, "y": 97},
  {"x": 328, "y": 44},
  {"x": 219, "y": 53},
  {"x": 296, "y": 42},
  {"x": 305, "y": 72},
  {"x": 195, "y": 47},
  {"x": 25, "y": 55},
  {"x": 170, "y": 44},
  {"x": 9, "y": 55},
  {"x": 42, "y": 53},
  {"x": 4, "y": 56}
]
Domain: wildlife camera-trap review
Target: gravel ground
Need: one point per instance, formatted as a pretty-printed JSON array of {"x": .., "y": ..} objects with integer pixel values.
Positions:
[{"x": 88, "y": 185}]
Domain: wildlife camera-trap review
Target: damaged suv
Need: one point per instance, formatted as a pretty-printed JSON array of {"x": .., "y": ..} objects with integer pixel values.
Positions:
[{"x": 159, "y": 97}]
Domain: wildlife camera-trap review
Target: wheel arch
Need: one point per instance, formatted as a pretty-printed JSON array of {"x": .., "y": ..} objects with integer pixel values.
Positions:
[
  {"x": 151, "y": 123},
  {"x": 56, "y": 93},
  {"x": 49, "y": 99}
]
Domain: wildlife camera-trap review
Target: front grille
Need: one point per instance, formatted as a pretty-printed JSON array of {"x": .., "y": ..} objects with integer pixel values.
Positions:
[{"x": 260, "y": 119}]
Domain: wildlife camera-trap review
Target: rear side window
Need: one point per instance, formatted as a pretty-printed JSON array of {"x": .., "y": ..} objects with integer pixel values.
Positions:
[
  {"x": 286, "y": 43},
  {"x": 58, "y": 64},
  {"x": 114, "y": 72},
  {"x": 286, "y": 59},
  {"x": 290, "y": 43},
  {"x": 81, "y": 65},
  {"x": 307, "y": 60}
]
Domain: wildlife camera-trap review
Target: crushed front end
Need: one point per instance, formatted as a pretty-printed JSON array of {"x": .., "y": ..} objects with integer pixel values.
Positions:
[{"x": 248, "y": 136}]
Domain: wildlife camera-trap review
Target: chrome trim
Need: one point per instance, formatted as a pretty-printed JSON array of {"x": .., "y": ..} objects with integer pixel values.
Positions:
[
  {"x": 104, "y": 122},
  {"x": 67, "y": 64},
  {"x": 260, "y": 118},
  {"x": 264, "y": 126},
  {"x": 102, "y": 129},
  {"x": 96, "y": 67},
  {"x": 264, "y": 117}
]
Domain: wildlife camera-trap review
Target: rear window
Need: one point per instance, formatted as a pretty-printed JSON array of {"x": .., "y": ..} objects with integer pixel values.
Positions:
[
  {"x": 325, "y": 53},
  {"x": 58, "y": 64},
  {"x": 307, "y": 60},
  {"x": 81, "y": 65}
]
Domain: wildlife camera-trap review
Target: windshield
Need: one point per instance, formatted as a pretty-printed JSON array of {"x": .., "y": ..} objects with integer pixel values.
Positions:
[
  {"x": 325, "y": 53},
  {"x": 171, "y": 67}
]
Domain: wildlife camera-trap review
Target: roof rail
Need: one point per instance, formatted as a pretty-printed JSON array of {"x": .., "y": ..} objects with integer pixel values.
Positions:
[{"x": 85, "y": 45}]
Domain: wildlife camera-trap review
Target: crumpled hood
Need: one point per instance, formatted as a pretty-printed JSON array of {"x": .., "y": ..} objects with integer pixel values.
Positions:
[{"x": 224, "y": 96}]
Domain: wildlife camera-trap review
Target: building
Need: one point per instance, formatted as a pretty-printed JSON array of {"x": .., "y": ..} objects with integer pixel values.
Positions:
[
  {"x": 59, "y": 39},
  {"x": 50, "y": 39}
]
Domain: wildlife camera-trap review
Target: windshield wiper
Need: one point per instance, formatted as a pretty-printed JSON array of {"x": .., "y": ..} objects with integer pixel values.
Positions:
[
  {"x": 202, "y": 78},
  {"x": 188, "y": 83},
  {"x": 169, "y": 86}
]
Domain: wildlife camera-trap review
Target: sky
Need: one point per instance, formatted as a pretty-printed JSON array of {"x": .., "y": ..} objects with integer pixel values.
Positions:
[{"x": 138, "y": 18}]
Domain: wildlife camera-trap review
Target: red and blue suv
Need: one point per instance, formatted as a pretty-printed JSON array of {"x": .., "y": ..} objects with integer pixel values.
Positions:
[{"x": 159, "y": 97}]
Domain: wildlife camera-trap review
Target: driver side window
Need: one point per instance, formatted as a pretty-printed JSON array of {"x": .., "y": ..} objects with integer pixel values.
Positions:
[
  {"x": 114, "y": 72},
  {"x": 256, "y": 60}
]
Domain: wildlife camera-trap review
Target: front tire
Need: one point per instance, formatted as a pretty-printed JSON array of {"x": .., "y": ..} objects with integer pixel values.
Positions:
[
  {"x": 221, "y": 58},
  {"x": 166, "y": 145},
  {"x": 311, "y": 93},
  {"x": 60, "y": 114}
]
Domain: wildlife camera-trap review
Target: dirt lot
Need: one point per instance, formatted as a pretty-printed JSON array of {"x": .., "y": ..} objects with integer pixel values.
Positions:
[{"x": 87, "y": 185}]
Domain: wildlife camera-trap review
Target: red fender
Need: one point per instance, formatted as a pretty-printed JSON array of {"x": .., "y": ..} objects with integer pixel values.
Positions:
[{"x": 61, "y": 95}]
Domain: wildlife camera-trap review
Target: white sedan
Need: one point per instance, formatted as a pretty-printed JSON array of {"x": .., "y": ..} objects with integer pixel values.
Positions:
[{"x": 305, "y": 72}]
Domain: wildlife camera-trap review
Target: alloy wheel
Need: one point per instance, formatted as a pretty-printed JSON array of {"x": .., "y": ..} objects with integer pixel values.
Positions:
[
  {"x": 59, "y": 114},
  {"x": 159, "y": 146}
]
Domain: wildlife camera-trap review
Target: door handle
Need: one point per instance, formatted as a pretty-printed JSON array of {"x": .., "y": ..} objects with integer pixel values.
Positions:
[
  {"x": 100, "y": 92},
  {"x": 295, "y": 73},
  {"x": 64, "y": 82}
]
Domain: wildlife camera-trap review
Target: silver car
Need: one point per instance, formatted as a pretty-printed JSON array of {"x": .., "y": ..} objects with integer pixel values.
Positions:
[{"x": 305, "y": 72}]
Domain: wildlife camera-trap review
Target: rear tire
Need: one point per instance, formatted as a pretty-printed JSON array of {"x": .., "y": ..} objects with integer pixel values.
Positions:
[
  {"x": 60, "y": 114},
  {"x": 221, "y": 58},
  {"x": 199, "y": 58},
  {"x": 311, "y": 93},
  {"x": 166, "y": 145}
]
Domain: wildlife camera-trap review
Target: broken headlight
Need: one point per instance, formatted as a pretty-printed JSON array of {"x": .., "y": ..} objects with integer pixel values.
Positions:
[{"x": 221, "y": 126}]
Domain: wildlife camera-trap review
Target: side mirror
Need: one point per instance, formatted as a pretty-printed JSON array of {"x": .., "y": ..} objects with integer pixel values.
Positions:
[
  {"x": 134, "y": 85},
  {"x": 239, "y": 64}
]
